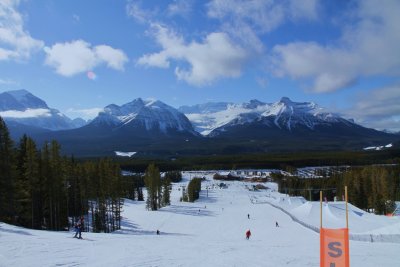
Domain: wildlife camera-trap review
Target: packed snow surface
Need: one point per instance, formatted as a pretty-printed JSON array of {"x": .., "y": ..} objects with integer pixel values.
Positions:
[
  {"x": 209, "y": 232},
  {"x": 124, "y": 154},
  {"x": 378, "y": 147}
]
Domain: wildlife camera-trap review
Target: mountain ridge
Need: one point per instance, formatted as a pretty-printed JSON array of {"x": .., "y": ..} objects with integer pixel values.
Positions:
[
  {"x": 286, "y": 113},
  {"x": 152, "y": 127},
  {"x": 26, "y": 111}
]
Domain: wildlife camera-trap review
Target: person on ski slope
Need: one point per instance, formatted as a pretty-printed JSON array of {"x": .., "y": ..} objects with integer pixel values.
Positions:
[
  {"x": 79, "y": 227},
  {"x": 76, "y": 228},
  {"x": 248, "y": 234}
]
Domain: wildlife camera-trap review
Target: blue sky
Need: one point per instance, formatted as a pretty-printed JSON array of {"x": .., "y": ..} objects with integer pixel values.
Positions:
[{"x": 80, "y": 56}]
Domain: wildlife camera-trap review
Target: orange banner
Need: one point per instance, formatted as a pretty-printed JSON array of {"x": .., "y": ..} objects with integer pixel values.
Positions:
[{"x": 334, "y": 247}]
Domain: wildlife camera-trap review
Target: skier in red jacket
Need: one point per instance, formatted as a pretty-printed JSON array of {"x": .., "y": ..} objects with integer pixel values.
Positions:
[{"x": 248, "y": 234}]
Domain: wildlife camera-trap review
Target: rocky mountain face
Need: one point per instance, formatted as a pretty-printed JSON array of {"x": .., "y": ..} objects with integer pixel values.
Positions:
[
  {"x": 145, "y": 116},
  {"x": 27, "y": 111},
  {"x": 285, "y": 114}
]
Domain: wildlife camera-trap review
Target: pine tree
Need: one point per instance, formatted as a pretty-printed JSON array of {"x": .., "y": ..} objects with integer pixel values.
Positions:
[
  {"x": 140, "y": 193},
  {"x": 152, "y": 181},
  {"x": 28, "y": 184},
  {"x": 7, "y": 175},
  {"x": 166, "y": 194},
  {"x": 193, "y": 190}
]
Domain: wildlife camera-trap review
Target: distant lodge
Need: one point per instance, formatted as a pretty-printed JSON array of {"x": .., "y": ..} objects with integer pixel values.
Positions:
[
  {"x": 307, "y": 172},
  {"x": 250, "y": 173}
]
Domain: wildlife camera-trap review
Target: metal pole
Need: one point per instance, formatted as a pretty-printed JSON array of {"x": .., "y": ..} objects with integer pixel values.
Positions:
[
  {"x": 347, "y": 211},
  {"x": 320, "y": 202}
]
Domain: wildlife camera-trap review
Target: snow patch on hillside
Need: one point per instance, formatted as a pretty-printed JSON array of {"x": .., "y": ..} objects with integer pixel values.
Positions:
[
  {"x": 378, "y": 147},
  {"x": 124, "y": 154}
]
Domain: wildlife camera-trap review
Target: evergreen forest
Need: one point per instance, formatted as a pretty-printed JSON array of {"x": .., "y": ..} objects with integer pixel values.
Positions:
[{"x": 41, "y": 189}]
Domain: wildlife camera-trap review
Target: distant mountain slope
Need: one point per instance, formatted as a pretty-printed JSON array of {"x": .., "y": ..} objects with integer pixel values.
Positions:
[
  {"x": 281, "y": 126},
  {"x": 20, "y": 100},
  {"x": 143, "y": 117},
  {"x": 284, "y": 114},
  {"x": 137, "y": 125},
  {"x": 24, "y": 108}
]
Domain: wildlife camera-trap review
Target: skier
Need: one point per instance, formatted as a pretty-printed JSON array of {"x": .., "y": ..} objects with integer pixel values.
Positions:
[
  {"x": 78, "y": 228},
  {"x": 248, "y": 234},
  {"x": 158, "y": 232},
  {"x": 248, "y": 216},
  {"x": 276, "y": 224}
]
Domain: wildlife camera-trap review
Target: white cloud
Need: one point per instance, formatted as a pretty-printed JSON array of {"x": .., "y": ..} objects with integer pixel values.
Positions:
[
  {"x": 368, "y": 48},
  {"x": 29, "y": 113},
  {"x": 246, "y": 21},
  {"x": 134, "y": 10},
  {"x": 379, "y": 108},
  {"x": 180, "y": 8},
  {"x": 303, "y": 9},
  {"x": 213, "y": 58},
  {"x": 15, "y": 42},
  {"x": 8, "y": 82},
  {"x": 86, "y": 114},
  {"x": 263, "y": 15},
  {"x": 78, "y": 56},
  {"x": 114, "y": 58}
]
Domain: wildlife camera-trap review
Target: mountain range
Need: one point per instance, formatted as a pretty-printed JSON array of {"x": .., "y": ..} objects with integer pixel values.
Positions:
[
  {"x": 151, "y": 127},
  {"x": 20, "y": 108}
]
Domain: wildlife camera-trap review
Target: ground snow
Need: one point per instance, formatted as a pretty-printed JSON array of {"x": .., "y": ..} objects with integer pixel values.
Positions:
[{"x": 209, "y": 232}]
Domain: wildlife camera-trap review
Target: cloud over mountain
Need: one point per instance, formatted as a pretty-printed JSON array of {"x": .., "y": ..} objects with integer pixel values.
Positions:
[
  {"x": 214, "y": 57},
  {"x": 78, "y": 56}
]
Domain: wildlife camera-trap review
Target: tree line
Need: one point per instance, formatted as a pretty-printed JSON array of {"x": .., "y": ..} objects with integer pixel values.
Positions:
[
  {"x": 41, "y": 189},
  {"x": 371, "y": 188},
  {"x": 273, "y": 160}
]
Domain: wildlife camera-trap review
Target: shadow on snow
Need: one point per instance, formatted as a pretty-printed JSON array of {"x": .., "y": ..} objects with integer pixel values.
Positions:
[
  {"x": 133, "y": 229},
  {"x": 186, "y": 210}
]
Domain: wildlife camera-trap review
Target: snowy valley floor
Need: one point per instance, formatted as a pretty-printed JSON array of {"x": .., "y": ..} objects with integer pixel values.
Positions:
[{"x": 213, "y": 236}]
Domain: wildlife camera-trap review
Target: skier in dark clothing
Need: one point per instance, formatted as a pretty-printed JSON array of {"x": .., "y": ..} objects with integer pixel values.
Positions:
[
  {"x": 78, "y": 228},
  {"x": 248, "y": 234},
  {"x": 158, "y": 232},
  {"x": 248, "y": 216},
  {"x": 276, "y": 224}
]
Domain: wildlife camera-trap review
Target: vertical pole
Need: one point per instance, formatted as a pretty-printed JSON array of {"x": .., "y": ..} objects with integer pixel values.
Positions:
[
  {"x": 320, "y": 202},
  {"x": 347, "y": 211}
]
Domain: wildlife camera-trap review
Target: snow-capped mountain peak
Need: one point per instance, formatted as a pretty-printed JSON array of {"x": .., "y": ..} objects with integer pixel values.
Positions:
[
  {"x": 284, "y": 114},
  {"x": 22, "y": 107},
  {"x": 20, "y": 100},
  {"x": 144, "y": 114}
]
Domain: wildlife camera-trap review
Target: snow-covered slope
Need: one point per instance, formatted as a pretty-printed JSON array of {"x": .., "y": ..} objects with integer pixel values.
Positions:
[
  {"x": 22, "y": 107},
  {"x": 209, "y": 232},
  {"x": 144, "y": 114},
  {"x": 284, "y": 114}
]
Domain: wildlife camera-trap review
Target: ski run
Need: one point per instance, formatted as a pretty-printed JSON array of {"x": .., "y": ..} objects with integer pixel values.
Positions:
[{"x": 211, "y": 232}]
